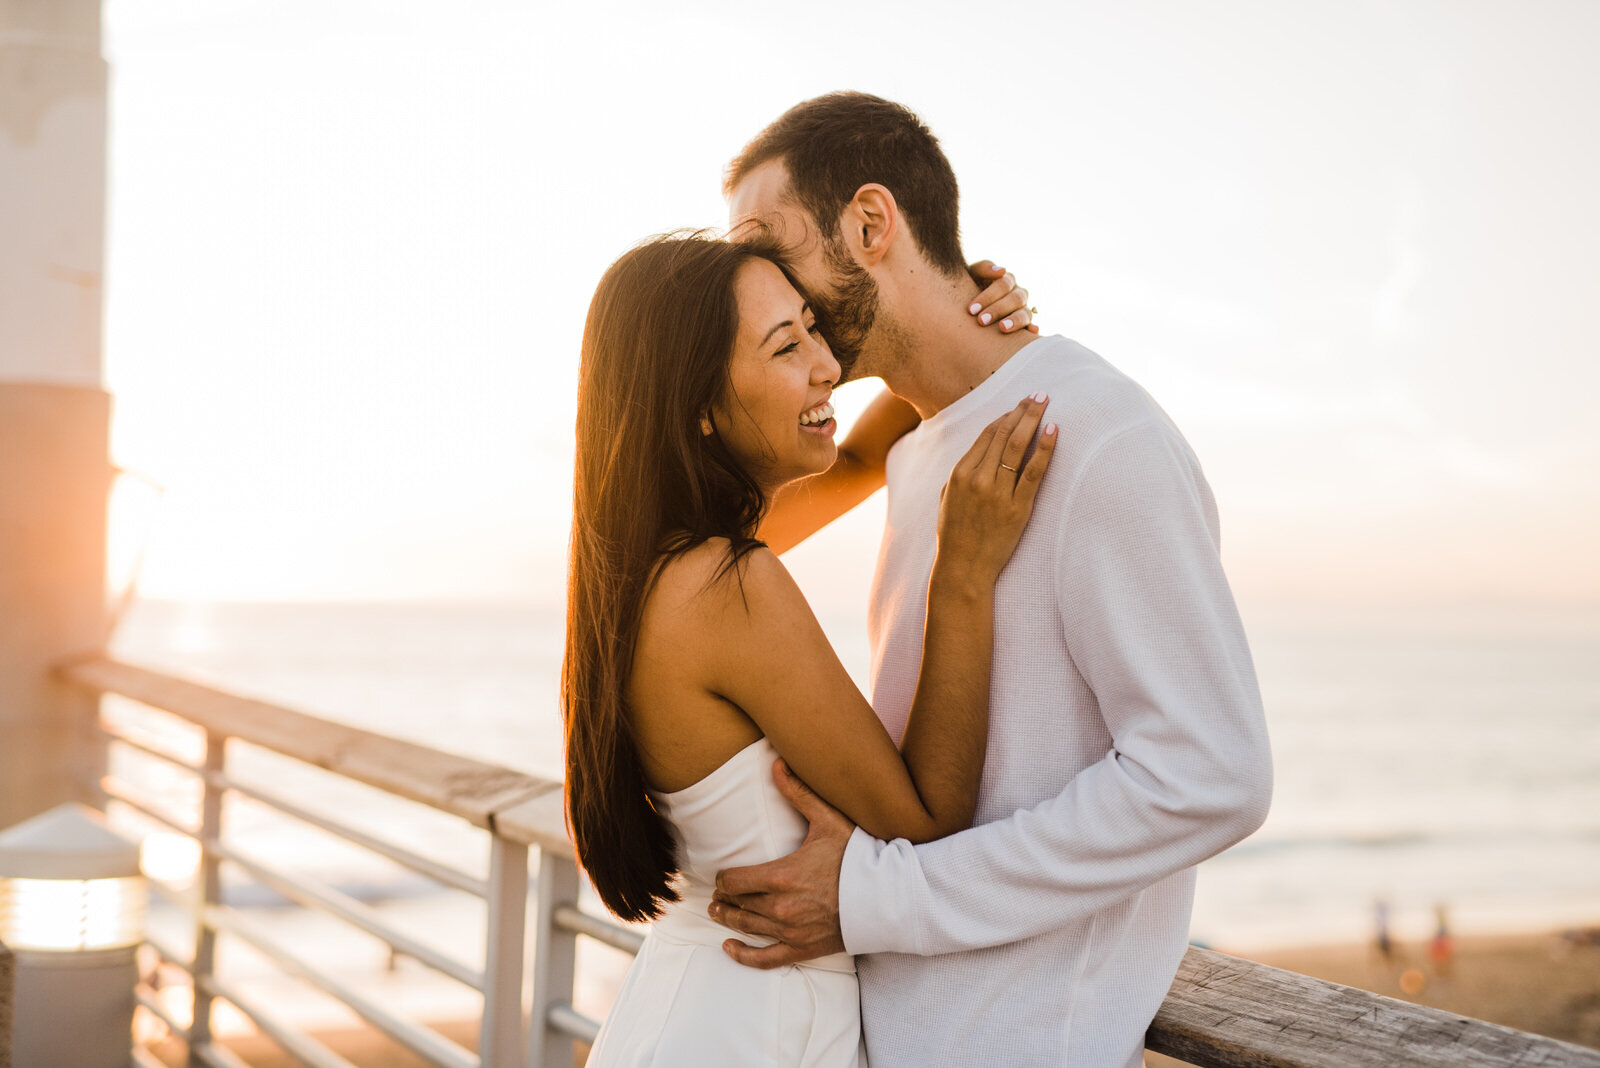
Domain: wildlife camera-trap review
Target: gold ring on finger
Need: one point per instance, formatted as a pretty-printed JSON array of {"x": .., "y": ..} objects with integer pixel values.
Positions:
[
  {"x": 1008, "y": 467},
  {"x": 1032, "y": 310}
]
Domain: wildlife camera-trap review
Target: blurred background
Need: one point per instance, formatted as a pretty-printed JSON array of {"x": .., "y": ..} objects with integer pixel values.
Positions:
[{"x": 1350, "y": 247}]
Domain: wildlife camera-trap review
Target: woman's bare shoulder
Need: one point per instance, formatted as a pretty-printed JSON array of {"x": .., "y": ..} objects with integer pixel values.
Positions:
[{"x": 706, "y": 579}]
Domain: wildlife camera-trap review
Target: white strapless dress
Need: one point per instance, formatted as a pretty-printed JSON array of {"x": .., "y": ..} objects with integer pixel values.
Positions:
[{"x": 685, "y": 1003}]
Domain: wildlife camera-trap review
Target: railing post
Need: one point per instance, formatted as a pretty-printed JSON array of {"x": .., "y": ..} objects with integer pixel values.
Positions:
[
  {"x": 8, "y": 979},
  {"x": 210, "y": 891},
  {"x": 554, "y": 961},
  {"x": 500, "y": 1041}
]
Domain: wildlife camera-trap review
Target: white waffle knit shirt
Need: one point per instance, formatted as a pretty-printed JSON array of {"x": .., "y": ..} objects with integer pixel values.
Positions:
[{"x": 1126, "y": 742}]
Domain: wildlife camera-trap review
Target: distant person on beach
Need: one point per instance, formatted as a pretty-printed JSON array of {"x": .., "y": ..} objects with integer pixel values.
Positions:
[
  {"x": 1442, "y": 947},
  {"x": 1382, "y": 940},
  {"x": 693, "y": 661},
  {"x": 1126, "y": 739}
]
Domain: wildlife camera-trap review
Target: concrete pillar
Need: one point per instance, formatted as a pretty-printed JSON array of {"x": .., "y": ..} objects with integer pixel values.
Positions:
[{"x": 54, "y": 412}]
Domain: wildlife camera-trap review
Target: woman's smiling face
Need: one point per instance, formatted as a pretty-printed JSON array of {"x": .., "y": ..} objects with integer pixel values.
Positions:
[{"x": 775, "y": 414}]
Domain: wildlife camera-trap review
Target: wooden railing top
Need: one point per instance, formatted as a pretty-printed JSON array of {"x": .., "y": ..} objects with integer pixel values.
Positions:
[
  {"x": 1227, "y": 1012},
  {"x": 537, "y": 821},
  {"x": 471, "y": 789}
]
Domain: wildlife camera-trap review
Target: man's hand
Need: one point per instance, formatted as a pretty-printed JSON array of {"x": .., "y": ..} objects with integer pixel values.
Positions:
[{"x": 794, "y": 899}]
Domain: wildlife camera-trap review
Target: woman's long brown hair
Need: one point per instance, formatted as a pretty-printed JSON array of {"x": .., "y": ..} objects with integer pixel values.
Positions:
[{"x": 647, "y": 485}]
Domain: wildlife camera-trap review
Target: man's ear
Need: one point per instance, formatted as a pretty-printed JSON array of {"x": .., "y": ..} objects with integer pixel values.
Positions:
[{"x": 870, "y": 223}]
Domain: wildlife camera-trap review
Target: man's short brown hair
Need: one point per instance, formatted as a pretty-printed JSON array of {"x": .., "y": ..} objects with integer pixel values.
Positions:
[{"x": 835, "y": 144}]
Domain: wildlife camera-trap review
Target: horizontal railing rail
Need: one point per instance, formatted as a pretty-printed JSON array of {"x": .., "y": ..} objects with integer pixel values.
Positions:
[{"x": 1222, "y": 1012}]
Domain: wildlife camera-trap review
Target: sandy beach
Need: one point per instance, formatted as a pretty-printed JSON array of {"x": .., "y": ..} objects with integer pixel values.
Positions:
[{"x": 1548, "y": 984}]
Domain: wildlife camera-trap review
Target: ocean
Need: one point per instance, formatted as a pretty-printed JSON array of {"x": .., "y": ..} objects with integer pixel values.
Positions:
[{"x": 1439, "y": 756}]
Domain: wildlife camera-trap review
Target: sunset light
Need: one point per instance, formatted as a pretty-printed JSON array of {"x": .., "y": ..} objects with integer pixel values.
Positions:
[{"x": 840, "y": 669}]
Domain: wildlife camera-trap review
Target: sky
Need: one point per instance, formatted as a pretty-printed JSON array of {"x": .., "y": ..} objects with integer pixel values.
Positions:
[{"x": 1350, "y": 248}]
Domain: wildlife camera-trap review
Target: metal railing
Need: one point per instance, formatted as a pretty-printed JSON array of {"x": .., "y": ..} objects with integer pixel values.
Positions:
[
  {"x": 518, "y": 812},
  {"x": 1222, "y": 1012}
]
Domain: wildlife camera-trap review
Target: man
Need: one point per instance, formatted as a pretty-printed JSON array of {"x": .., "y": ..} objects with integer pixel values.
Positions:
[{"x": 1127, "y": 741}]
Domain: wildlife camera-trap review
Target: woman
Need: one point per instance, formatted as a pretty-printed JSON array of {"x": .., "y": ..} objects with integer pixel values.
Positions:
[{"x": 693, "y": 661}]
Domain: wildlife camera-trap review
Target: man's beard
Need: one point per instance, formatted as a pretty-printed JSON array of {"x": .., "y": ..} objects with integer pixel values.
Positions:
[{"x": 847, "y": 312}]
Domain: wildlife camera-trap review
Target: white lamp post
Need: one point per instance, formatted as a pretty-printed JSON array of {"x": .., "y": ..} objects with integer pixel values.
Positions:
[{"x": 72, "y": 908}]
